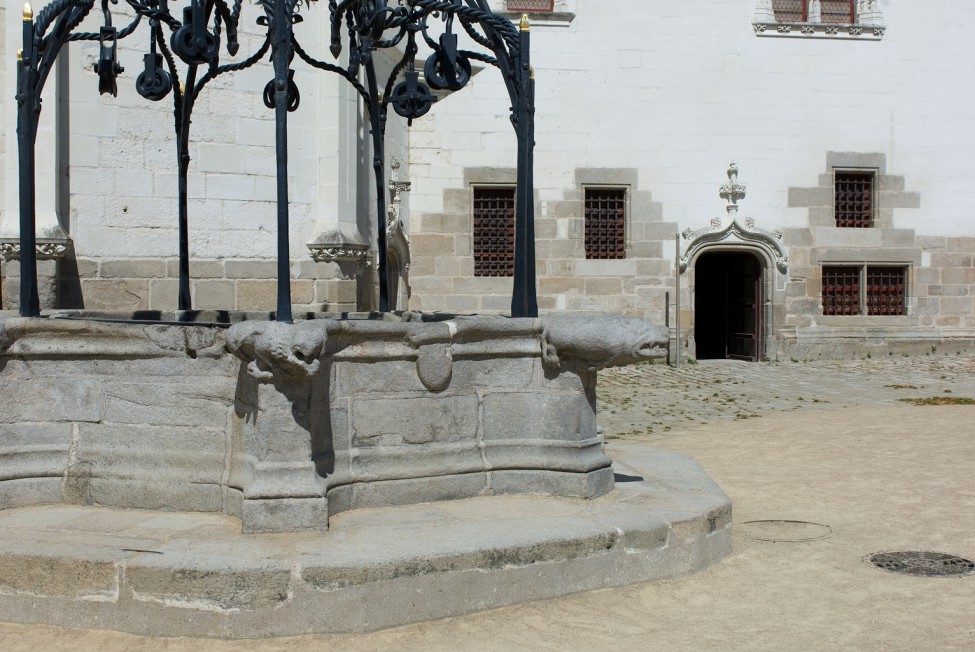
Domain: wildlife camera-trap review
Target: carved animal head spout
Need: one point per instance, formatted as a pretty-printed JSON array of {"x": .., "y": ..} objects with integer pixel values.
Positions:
[
  {"x": 600, "y": 341},
  {"x": 279, "y": 351}
]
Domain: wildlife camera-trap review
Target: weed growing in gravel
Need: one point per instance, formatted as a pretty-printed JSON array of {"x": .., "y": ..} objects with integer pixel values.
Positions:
[{"x": 939, "y": 400}]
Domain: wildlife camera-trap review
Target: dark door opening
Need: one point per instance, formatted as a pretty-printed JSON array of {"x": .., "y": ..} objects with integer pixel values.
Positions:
[{"x": 728, "y": 306}]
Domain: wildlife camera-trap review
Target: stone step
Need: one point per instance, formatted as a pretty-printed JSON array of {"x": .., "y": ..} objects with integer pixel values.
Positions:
[{"x": 195, "y": 574}]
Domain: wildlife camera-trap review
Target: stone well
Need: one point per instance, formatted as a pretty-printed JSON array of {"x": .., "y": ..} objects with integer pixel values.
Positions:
[
  {"x": 284, "y": 425},
  {"x": 206, "y": 479}
]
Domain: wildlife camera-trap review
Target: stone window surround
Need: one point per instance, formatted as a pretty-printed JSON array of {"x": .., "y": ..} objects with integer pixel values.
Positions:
[
  {"x": 889, "y": 193},
  {"x": 615, "y": 179},
  {"x": 869, "y": 26},
  {"x": 485, "y": 177},
  {"x": 861, "y": 266}
]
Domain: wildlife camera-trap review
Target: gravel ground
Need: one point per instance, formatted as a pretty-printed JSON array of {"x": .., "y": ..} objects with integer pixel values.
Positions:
[
  {"x": 830, "y": 444},
  {"x": 653, "y": 399}
]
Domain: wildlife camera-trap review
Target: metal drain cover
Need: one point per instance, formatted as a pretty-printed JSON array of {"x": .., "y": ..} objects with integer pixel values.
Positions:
[
  {"x": 784, "y": 531},
  {"x": 923, "y": 563}
]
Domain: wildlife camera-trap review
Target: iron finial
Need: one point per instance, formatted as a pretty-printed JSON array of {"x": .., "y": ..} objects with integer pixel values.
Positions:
[
  {"x": 525, "y": 23},
  {"x": 28, "y": 13},
  {"x": 20, "y": 55}
]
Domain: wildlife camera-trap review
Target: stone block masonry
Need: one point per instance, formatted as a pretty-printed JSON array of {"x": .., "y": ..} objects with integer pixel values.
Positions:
[
  {"x": 308, "y": 420},
  {"x": 404, "y": 412},
  {"x": 130, "y": 284}
]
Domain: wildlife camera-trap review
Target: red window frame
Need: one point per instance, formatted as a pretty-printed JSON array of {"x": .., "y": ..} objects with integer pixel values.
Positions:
[
  {"x": 494, "y": 231},
  {"x": 531, "y": 6},
  {"x": 841, "y": 12}
]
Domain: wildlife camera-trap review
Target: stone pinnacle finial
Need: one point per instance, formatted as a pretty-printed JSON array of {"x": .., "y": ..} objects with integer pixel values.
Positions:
[{"x": 733, "y": 191}]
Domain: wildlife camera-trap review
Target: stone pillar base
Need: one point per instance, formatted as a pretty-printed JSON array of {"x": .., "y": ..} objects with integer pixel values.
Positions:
[{"x": 48, "y": 279}]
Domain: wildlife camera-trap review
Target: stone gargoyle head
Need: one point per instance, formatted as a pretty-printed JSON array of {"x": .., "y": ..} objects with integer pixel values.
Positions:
[
  {"x": 597, "y": 342},
  {"x": 279, "y": 351}
]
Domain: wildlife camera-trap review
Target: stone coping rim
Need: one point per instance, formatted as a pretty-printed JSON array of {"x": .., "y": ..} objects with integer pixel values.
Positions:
[{"x": 227, "y": 318}]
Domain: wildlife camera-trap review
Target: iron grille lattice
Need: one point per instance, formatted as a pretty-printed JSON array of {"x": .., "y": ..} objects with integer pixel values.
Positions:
[
  {"x": 605, "y": 223},
  {"x": 789, "y": 11},
  {"x": 853, "y": 206},
  {"x": 841, "y": 12},
  {"x": 841, "y": 290},
  {"x": 923, "y": 563},
  {"x": 830, "y": 11},
  {"x": 886, "y": 290},
  {"x": 537, "y": 6},
  {"x": 494, "y": 231}
]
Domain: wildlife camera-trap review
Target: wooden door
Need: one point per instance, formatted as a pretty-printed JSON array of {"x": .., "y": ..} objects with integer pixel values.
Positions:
[{"x": 744, "y": 312}]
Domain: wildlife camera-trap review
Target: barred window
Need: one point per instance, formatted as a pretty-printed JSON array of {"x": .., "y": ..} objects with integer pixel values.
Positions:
[
  {"x": 853, "y": 199},
  {"x": 841, "y": 290},
  {"x": 831, "y": 11},
  {"x": 533, "y": 6},
  {"x": 886, "y": 290},
  {"x": 879, "y": 290},
  {"x": 494, "y": 231},
  {"x": 605, "y": 223}
]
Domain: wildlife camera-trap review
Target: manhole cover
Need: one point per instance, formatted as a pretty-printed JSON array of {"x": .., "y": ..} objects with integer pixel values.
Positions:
[
  {"x": 923, "y": 563},
  {"x": 784, "y": 531}
]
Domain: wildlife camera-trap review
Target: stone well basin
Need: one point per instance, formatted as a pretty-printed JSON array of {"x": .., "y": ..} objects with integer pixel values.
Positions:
[{"x": 284, "y": 425}]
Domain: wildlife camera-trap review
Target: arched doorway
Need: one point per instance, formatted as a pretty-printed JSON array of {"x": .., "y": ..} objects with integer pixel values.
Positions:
[{"x": 728, "y": 306}]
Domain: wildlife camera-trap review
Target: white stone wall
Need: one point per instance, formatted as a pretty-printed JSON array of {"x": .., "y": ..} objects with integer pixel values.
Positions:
[
  {"x": 123, "y": 155},
  {"x": 670, "y": 93},
  {"x": 677, "y": 91}
]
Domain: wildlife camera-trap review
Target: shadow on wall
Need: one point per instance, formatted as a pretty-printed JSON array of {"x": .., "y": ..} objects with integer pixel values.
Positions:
[{"x": 69, "y": 295}]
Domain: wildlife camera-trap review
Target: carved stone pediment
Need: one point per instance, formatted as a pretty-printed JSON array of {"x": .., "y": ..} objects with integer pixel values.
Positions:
[
  {"x": 736, "y": 232},
  {"x": 734, "y": 229}
]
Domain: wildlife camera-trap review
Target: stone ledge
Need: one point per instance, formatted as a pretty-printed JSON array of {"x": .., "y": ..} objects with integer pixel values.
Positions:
[
  {"x": 187, "y": 574},
  {"x": 828, "y": 31}
]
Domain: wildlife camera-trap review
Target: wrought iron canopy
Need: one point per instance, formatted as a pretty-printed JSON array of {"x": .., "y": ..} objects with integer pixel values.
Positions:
[{"x": 201, "y": 31}]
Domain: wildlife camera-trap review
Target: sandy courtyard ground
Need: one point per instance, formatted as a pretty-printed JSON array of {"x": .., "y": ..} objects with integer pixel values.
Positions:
[{"x": 830, "y": 443}]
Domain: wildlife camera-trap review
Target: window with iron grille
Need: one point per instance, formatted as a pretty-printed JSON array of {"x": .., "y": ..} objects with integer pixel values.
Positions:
[
  {"x": 531, "y": 6},
  {"x": 494, "y": 231},
  {"x": 853, "y": 199},
  {"x": 879, "y": 290},
  {"x": 841, "y": 290},
  {"x": 605, "y": 223},
  {"x": 841, "y": 12},
  {"x": 886, "y": 293}
]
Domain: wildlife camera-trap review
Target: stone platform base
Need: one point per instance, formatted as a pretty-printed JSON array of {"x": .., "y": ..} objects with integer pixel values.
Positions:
[{"x": 193, "y": 574}]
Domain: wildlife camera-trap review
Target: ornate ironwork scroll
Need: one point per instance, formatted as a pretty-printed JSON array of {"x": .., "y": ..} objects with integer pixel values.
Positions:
[{"x": 359, "y": 28}]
